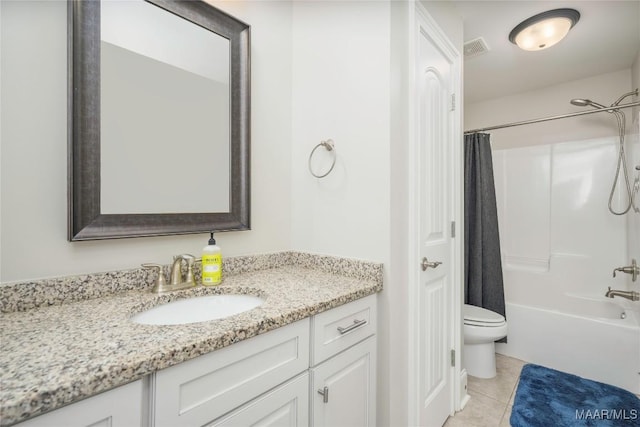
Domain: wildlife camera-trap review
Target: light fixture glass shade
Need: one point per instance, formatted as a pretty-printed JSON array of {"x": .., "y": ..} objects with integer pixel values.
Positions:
[
  {"x": 543, "y": 34},
  {"x": 544, "y": 30}
]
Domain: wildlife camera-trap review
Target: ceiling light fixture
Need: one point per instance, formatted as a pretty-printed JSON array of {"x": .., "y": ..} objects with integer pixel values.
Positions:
[{"x": 544, "y": 29}]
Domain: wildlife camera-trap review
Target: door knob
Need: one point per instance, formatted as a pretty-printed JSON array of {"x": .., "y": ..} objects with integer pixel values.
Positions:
[{"x": 426, "y": 264}]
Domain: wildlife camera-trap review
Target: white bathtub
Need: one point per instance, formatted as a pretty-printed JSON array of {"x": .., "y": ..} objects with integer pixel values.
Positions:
[{"x": 594, "y": 337}]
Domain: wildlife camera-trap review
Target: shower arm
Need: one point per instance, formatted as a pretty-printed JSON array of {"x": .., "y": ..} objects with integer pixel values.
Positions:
[
  {"x": 632, "y": 93},
  {"x": 562, "y": 116}
]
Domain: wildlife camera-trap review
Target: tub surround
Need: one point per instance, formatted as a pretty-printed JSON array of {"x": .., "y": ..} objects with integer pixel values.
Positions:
[{"x": 66, "y": 339}]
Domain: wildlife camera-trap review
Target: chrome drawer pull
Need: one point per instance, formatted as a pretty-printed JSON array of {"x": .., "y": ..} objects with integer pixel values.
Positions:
[
  {"x": 325, "y": 394},
  {"x": 356, "y": 324}
]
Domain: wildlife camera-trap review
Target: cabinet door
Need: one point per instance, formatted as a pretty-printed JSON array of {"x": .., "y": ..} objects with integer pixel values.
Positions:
[
  {"x": 202, "y": 389},
  {"x": 121, "y": 406},
  {"x": 348, "y": 385},
  {"x": 285, "y": 406}
]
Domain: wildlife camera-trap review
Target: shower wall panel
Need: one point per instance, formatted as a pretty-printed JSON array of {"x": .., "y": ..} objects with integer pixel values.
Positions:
[{"x": 557, "y": 235}]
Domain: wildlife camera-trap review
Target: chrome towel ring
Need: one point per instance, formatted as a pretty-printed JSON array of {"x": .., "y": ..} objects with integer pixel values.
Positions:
[{"x": 330, "y": 146}]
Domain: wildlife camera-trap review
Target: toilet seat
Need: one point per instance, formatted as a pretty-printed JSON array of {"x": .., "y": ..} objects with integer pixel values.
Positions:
[{"x": 478, "y": 316}]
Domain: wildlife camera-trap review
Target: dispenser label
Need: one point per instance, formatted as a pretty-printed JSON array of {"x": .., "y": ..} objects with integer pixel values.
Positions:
[{"x": 211, "y": 269}]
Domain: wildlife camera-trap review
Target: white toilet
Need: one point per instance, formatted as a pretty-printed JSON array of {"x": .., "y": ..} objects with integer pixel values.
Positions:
[{"x": 481, "y": 328}]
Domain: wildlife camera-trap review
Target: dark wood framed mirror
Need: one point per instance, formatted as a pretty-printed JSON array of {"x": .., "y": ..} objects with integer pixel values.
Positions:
[{"x": 159, "y": 121}]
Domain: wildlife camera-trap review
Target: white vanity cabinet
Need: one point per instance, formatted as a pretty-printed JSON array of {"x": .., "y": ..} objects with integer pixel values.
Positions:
[
  {"x": 272, "y": 379},
  {"x": 120, "y": 406},
  {"x": 343, "y": 366}
]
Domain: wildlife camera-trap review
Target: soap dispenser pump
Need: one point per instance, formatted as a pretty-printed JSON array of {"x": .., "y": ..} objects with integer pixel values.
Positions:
[{"x": 211, "y": 263}]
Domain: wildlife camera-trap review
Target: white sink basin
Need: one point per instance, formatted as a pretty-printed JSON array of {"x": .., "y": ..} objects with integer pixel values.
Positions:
[{"x": 198, "y": 309}]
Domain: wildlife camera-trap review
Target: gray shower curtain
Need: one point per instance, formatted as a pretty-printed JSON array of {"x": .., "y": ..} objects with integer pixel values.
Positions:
[{"x": 482, "y": 261}]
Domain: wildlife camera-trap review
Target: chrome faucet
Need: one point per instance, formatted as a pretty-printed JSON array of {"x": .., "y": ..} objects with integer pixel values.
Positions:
[
  {"x": 176, "y": 281},
  {"x": 630, "y": 295},
  {"x": 633, "y": 270}
]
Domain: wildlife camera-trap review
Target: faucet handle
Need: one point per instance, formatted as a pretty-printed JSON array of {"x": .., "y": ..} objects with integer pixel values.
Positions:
[
  {"x": 160, "y": 284},
  {"x": 190, "y": 261},
  {"x": 632, "y": 269}
]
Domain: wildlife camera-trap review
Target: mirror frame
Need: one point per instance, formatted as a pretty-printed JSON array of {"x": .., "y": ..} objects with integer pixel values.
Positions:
[{"x": 85, "y": 220}]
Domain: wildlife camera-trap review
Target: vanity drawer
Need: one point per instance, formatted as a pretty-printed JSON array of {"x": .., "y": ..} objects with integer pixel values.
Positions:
[
  {"x": 338, "y": 329},
  {"x": 202, "y": 389}
]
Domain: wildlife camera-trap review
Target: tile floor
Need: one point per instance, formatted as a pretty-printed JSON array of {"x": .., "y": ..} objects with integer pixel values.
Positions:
[{"x": 491, "y": 399}]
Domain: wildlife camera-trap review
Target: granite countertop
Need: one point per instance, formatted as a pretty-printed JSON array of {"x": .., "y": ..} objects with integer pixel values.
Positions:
[{"x": 57, "y": 354}]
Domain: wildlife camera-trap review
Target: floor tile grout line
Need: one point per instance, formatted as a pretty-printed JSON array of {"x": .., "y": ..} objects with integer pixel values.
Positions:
[
  {"x": 492, "y": 397},
  {"x": 503, "y": 380}
]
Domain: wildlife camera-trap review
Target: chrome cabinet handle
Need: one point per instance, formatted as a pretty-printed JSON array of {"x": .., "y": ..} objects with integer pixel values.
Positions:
[
  {"x": 426, "y": 264},
  {"x": 325, "y": 394},
  {"x": 356, "y": 324}
]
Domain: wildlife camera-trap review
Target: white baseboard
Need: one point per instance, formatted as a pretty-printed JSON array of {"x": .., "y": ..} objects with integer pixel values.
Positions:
[{"x": 464, "y": 396}]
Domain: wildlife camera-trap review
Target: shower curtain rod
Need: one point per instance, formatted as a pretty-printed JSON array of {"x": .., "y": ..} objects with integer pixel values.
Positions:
[{"x": 546, "y": 119}]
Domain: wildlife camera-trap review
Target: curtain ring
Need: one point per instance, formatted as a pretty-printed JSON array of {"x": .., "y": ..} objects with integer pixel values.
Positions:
[{"x": 330, "y": 146}]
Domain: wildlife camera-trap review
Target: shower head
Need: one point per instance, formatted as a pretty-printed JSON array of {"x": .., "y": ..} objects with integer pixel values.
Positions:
[
  {"x": 581, "y": 102},
  {"x": 585, "y": 102}
]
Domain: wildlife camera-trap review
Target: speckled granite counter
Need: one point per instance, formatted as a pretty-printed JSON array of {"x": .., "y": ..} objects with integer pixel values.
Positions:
[{"x": 59, "y": 353}]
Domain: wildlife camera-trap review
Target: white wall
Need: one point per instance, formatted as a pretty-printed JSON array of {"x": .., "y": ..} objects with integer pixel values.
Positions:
[
  {"x": 550, "y": 101},
  {"x": 448, "y": 19},
  {"x": 341, "y": 91},
  {"x": 394, "y": 346},
  {"x": 33, "y": 217}
]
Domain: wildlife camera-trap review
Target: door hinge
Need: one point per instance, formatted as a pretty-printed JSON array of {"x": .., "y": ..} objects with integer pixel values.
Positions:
[
  {"x": 453, "y": 102},
  {"x": 453, "y": 229},
  {"x": 453, "y": 357}
]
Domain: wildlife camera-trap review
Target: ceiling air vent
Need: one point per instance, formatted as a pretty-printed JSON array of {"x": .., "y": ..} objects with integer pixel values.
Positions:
[{"x": 475, "y": 47}]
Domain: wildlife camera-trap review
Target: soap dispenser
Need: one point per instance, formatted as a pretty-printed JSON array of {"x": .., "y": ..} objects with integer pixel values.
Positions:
[{"x": 211, "y": 263}]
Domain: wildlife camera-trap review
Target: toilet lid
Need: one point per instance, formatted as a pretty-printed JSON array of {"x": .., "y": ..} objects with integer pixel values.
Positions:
[{"x": 479, "y": 315}]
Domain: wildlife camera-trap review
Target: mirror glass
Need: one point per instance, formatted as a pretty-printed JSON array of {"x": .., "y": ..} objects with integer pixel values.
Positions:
[
  {"x": 164, "y": 109},
  {"x": 159, "y": 129}
]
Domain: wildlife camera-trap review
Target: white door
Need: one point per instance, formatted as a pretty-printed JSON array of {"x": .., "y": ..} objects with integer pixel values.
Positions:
[{"x": 434, "y": 205}]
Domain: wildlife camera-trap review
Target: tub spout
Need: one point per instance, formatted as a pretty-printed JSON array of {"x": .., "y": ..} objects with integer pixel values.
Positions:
[{"x": 630, "y": 295}]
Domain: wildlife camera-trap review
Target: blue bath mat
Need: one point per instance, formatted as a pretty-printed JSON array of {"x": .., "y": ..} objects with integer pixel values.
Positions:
[{"x": 546, "y": 397}]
